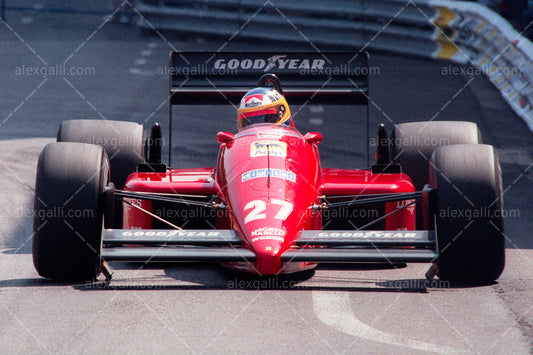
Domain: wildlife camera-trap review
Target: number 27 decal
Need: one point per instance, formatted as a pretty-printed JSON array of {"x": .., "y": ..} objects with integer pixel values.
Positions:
[{"x": 259, "y": 207}]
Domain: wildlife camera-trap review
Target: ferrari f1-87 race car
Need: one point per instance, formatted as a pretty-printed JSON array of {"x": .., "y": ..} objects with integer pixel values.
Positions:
[{"x": 265, "y": 206}]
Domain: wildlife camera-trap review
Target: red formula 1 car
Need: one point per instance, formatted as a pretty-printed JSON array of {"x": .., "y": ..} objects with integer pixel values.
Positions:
[{"x": 266, "y": 207}]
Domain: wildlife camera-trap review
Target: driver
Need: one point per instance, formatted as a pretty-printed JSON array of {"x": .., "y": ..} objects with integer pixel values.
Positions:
[{"x": 263, "y": 105}]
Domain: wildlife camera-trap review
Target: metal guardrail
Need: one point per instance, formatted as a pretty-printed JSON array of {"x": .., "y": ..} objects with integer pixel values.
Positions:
[
  {"x": 489, "y": 43},
  {"x": 348, "y": 24},
  {"x": 460, "y": 31},
  {"x": 55, "y": 6}
]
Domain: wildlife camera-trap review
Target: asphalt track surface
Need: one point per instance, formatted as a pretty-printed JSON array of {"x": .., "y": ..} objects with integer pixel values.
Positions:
[{"x": 202, "y": 308}]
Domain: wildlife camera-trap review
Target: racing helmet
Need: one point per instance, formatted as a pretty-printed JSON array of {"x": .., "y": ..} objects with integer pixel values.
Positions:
[{"x": 263, "y": 105}]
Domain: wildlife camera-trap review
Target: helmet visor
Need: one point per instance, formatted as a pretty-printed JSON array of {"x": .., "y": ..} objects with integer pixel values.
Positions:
[{"x": 263, "y": 116}]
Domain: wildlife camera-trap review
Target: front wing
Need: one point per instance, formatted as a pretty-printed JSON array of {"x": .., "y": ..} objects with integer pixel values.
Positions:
[{"x": 225, "y": 246}]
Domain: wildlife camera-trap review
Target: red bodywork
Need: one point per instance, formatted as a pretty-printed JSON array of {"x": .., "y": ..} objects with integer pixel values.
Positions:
[{"x": 269, "y": 179}]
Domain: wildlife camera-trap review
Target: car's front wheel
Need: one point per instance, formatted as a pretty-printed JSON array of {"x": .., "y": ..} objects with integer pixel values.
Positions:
[
  {"x": 68, "y": 211},
  {"x": 469, "y": 213}
]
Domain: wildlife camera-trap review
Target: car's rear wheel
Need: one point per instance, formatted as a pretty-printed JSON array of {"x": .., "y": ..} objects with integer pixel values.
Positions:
[
  {"x": 414, "y": 142},
  {"x": 124, "y": 142},
  {"x": 469, "y": 213},
  {"x": 68, "y": 211}
]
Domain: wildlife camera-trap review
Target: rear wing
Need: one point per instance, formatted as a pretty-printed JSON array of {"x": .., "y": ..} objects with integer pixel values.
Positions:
[
  {"x": 207, "y": 78},
  {"x": 222, "y": 78}
]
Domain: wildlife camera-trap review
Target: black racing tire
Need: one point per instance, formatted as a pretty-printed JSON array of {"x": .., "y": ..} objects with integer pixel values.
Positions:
[
  {"x": 124, "y": 142},
  {"x": 413, "y": 143},
  {"x": 469, "y": 213},
  {"x": 68, "y": 211}
]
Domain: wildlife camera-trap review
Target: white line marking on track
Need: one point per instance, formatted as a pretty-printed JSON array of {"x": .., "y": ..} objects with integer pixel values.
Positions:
[
  {"x": 26, "y": 20},
  {"x": 140, "y": 61},
  {"x": 146, "y": 52},
  {"x": 334, "y": 309},
  {"x": 316, "y": 108},
  {"x": 316, "y": 121},
  {"x": 140, "y": 72}
]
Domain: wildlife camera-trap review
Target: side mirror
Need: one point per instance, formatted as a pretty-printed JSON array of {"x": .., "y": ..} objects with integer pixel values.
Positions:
[
  {"x": 225, "y": 137},
  {"x": 313, "y": 137}
]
